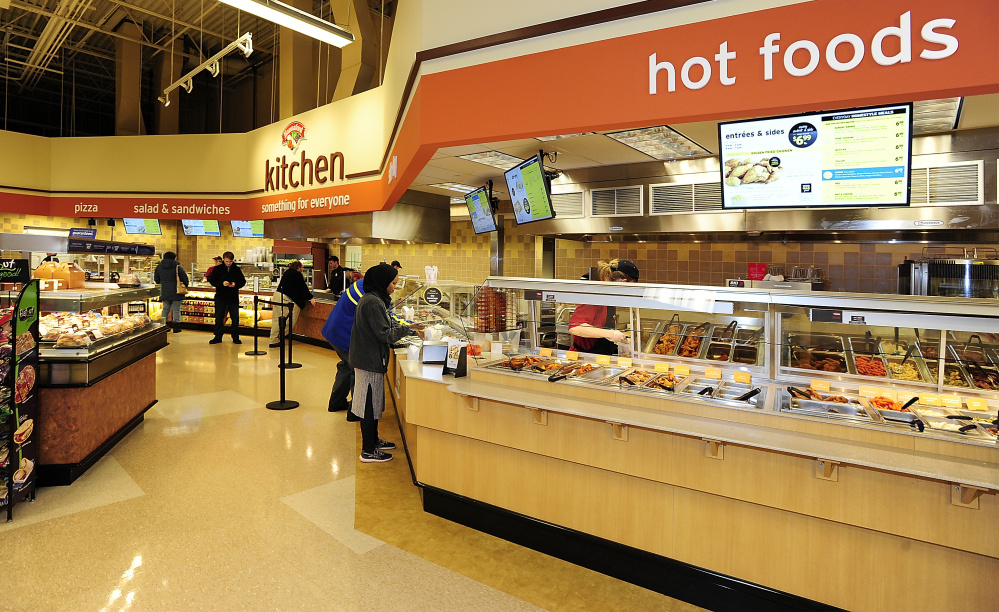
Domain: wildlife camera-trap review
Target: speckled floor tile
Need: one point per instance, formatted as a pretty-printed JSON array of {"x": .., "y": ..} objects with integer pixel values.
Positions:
[{"x": 216, "y": 503}]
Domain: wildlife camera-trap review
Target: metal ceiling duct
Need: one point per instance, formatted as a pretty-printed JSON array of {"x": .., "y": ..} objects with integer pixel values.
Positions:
[{"x": 418, "y": 217}]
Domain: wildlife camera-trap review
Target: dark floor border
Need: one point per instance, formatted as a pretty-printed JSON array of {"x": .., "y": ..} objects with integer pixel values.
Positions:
[
  {"x": 669, "y": 577},
  {"x": 62, "y": 474}
]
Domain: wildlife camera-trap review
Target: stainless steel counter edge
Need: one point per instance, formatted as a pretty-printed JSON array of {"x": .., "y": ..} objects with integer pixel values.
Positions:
[{"x": 914, "y": 463}]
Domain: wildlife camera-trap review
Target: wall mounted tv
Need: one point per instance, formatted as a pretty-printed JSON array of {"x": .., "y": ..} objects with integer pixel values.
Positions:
[
  {"x": 529, "y": 192},
  {"x": 248, "y": 229},
  {"x": 856, "y": 157},
  {"x": 201, "y": 227},
  {"x": 142, "y": 226},
  {"x": 480, "y": 210}
]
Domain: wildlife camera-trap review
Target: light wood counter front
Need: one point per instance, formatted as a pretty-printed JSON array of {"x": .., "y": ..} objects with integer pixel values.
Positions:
[{"x": 847, "y": 516}]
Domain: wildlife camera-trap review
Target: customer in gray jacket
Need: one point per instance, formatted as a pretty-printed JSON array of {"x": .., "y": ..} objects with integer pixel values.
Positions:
[
  {"x": 166, "y": 274},
  {"x": 371, "y": 337}
]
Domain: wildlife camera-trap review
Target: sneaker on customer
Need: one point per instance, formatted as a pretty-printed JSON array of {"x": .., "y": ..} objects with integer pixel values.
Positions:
[
  {"x": 237, "y": 341},
  {"x": 215, "y": 341},
  {"x": 375, "y": 457},
  {"x": 384, "y": 445}
]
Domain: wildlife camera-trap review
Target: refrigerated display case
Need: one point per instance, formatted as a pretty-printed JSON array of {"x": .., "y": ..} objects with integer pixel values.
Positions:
[{"x": 95, "y": 387}]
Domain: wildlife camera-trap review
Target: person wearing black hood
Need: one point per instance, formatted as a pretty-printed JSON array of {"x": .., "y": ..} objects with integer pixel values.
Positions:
[
  {"x": 168, "y": 273},
  {"x": 371, "y": 337}
]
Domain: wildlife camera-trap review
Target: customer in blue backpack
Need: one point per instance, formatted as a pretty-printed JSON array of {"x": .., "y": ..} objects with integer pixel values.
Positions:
[
  {"x": 371, "y": 338},
  {"x": 336, "y": 330}
]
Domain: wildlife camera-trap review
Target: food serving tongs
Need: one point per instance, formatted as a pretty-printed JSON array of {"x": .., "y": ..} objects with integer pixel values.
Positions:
[
  {"x": 727, "y": 334},
  {"x": 565, "y": 371}
]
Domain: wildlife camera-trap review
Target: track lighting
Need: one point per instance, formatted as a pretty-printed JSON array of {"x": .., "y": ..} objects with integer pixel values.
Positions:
[{"x": 213, "y": 65}]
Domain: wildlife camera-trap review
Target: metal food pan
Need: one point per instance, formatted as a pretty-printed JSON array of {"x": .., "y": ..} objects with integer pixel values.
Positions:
[
  {"x": 628, "y": 372},
  {"x": 650, "y": 345},
  {"x": 891, "y": 415},
  {"x": 748, "y": 354},
  {"x": 921, "y": 374},
  {"x": 954, "y": 427},
  {"x": 702, "y": 342},
  {"x": 890, "y": 347},
  {"x": 719, "y": 333},
  {"x": 826, "y": 342},
  {"x": 748, "y": 335},
  {"x": 954, "y": 375},
  {"x": 929, "y": 350},
  {"x": 936, "y": 412},
  {"x": 875, "y": 358},
  {"x": 536, "y": 368},
  {"x": 719, "y": 351},
  {"x": 858, "y": 344},
  {"x": 985, "y": 378},
  {"x": 729, "y": 391},
  {"x": 676, "y": 387},
  {"x": 832, "y": 409},
  {"x": 599, "y": 374},
  {"x": 839, "y": 359},
  {"x": 695, "y": 385}
]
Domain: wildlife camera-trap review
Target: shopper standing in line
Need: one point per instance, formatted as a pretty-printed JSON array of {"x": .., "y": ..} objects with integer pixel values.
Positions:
[
  {"x": 337, "y": 330},
  {"x": 291, "y": 290},
  {"x": 166, "y": 274},
  {"x": 227, "y": 279},
  {"x": 371, "y": 337}
]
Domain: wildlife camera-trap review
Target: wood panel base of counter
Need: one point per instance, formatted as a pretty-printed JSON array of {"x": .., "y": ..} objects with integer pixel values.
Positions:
[{"x": 758, "y": 515}]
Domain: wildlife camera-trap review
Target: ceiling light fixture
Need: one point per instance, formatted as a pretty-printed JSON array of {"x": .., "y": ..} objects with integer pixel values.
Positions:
[
  {"x": 459, "y": 187},
  {"x": 561, "y": 136},
  {"x": 213, "y": 65},
  {"x": 494, "y": 159},
  {"x": 661, "y": 142},
  {"x": 300, "y": 21}
]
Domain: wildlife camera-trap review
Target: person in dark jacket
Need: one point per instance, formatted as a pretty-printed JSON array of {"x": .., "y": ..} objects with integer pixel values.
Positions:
[
  {"x": 371, "y": 337},
  {"x": 227, "y": 279},
  {"x": 335, "y": 276},
  {"x": 291, "y": 289},
  {"x": 165, "y": 276},
  {"x": 337, "y": 330}
]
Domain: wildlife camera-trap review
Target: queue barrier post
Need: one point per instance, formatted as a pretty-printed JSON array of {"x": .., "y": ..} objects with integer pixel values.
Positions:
[
  {"x": 283, "y": 403},
  {"x": 256, "y": 313}
]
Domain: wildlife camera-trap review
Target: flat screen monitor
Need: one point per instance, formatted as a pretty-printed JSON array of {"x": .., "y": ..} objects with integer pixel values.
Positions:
[
  {"x": 856, "y": 157},
  {"x": 481, "y": 211},
  {"x": 248, "y": 229},
  {"x": 142, "y": 226},
  {"x": 201, "y": 227},
  {"x": 529, "y": 191}
]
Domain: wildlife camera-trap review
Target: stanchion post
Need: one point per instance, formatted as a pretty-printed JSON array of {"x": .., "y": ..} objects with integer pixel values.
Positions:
[
  {"x": 282, "y": 404},
  {"x": 291, "y": 323},
  {"x": 256, "y": 314}
]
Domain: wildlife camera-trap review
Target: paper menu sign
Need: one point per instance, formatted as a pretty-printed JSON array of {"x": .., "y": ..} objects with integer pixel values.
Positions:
[
  {"x": 454, "y": 346},
  {"x": 929, "y": 399},
  {"x": 868, "y": 391},
  {"x": 572, "y": 355},
  {"x": 682, "y": 370},
  {"x": 662, "y": 367},
  {"x": 603, "y": 359},
  {"x": 545, "y": 352},
  {"x": 821, "y": 386},
  {"x": 714, "y": 373},
  {"x": 743, "y": 377},
  {"x": 976, "y": 404},
  {"x": 624, "y": 362},
  {"x": 950, "y": 401}
]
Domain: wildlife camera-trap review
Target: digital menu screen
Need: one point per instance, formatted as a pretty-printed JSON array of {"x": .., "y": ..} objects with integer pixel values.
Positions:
[
  {"x": 201, "y": 227},
  {"x": 480, "y": 210},
  {"x": 858, "y": 157},
  {"x": 248, "y": 229},
  {"x": 529, "y": 192},
  {"x": 142, "y": 226}
]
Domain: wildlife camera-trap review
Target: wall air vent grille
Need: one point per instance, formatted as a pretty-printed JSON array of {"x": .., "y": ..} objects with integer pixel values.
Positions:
[
  {"x": 617, "y": 202},
  {"x": 678, "y": 198},
  {"x": 568, "y": 205},
  {"x": 957, "y": 183}
]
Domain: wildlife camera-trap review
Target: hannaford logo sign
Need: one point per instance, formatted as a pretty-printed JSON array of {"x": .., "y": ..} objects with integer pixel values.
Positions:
[
  {"x": 302, "y": 172},
  {"x": 938, "y": 46},
  {"x": 293, "y": 135}
]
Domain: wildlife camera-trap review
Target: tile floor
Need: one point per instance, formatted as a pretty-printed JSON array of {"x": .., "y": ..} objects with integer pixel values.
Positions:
[{"x": 216, "y": 503}]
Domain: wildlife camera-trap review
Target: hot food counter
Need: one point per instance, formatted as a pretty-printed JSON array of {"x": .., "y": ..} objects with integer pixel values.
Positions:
[
  {"x": 97, "y": 373},
  {"x": 753, "y": 441}
]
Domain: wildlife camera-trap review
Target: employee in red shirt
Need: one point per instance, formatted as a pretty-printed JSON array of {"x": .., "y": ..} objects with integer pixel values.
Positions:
[{"x": 591, "y": 326}]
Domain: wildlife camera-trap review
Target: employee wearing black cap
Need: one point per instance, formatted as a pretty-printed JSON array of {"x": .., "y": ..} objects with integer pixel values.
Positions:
[{"x": 591, "y": 326}]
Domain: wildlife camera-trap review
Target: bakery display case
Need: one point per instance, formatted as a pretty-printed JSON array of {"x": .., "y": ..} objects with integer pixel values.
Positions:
[
  {"x": 198, "y": 308},
  {"x": 94, "y": 343}
]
